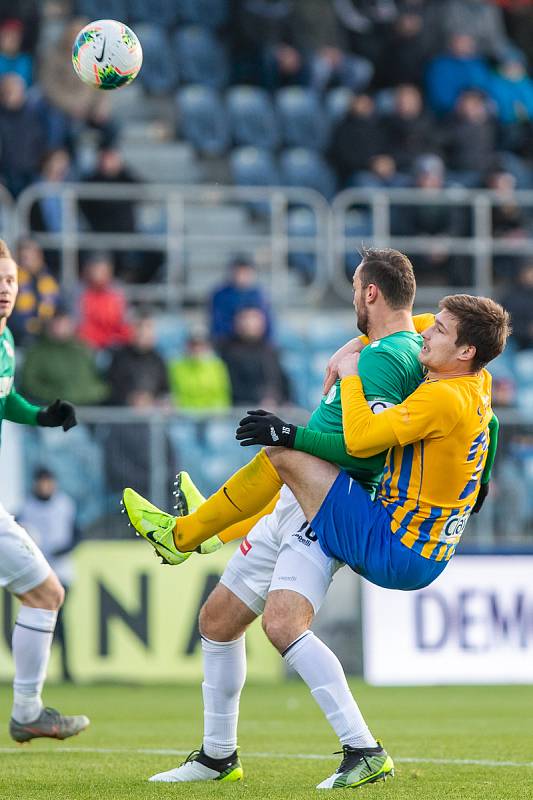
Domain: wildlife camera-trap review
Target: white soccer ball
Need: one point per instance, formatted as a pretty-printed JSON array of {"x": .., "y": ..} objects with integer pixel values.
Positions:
[{"x": 107, "y": 54}]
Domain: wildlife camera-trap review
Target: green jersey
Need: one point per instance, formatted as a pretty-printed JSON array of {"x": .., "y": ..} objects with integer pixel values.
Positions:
[
  {"x": 390, "y": 370},
  {"x": 13, "y": 407}
]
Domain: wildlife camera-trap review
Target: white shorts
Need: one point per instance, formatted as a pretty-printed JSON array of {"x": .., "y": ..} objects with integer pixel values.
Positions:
[
  {"x": 22, "y": 565},
  {"x": 280, "y": 552}
]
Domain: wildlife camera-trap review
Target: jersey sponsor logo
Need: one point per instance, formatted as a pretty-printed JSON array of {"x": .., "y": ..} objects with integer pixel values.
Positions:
[
  {"x": 285, "y": 430},
  {"x": 9, "y": 349},
  {"x": 379, "y": 405},
  {"x": 454, "y": 528},
  {"x": 6, "y": 384},
  {"x": 273, "y": 435},
  {"x": 245, "y": 546},
  {"x": 332, "y": 394}
]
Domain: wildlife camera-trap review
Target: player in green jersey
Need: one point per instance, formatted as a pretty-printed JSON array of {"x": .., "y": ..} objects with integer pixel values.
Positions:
[
  {"x": 24, "y": 570},
  {"x": 279, "y": 569}
]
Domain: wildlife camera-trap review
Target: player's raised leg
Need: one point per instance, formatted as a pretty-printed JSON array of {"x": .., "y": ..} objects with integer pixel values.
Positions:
[
  {"x": 243, "y": 495},
  {"x": 223, "y": 622}
]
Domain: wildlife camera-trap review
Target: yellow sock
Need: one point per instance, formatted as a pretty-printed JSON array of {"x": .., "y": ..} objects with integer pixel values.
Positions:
[
  {"x": 240, "y": 529},
  {"x": 242, "y": 496}
]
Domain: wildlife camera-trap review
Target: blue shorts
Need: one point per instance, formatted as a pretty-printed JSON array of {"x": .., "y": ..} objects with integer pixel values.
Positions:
[{"x": 355, "y": 529}]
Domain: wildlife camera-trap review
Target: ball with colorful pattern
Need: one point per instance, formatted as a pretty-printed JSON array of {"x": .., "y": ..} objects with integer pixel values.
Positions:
[{"x": 107, "y": 54}]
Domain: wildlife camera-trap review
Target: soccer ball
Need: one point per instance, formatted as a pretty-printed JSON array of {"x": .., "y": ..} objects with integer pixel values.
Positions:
[{"x": 107, "y": 54}]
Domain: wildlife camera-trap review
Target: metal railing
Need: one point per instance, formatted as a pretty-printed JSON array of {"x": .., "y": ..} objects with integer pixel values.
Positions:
[
  {"x": 193, "y": 254},
  {"x": 178, "y": 239},
  {"x": 117, "y": 447}
]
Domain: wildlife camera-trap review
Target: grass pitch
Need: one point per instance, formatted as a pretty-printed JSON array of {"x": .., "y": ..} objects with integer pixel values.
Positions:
[{"x": 465, "y": 743}]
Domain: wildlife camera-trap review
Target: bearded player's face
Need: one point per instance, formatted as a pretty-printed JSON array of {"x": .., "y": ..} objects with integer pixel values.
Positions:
[
  {"x": 359, "y": 304},
  {"x": 8, "y": 287}
]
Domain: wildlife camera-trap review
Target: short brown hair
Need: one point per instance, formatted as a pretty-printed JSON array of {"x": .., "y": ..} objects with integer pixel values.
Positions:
[
  {"x": 393, "y": 274},
  {"x": 5, "y": 252},
  {"x": 481, "y": 322}
]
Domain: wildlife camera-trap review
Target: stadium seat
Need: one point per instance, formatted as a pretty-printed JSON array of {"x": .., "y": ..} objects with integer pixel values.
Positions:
[
  {"x": 523, "y": 363},
  {"x": 158, "y": 75},
  {"x": 302, "y": 118},
  {"x": 102, "y": 9},
  {"x": 302, "y": 225},
  {"x": 252, "y": 116},
  {"x": 302, "y": 167},
  {"x": 251, "y": 166},
  {"x": 200, "y": 57},
  {"x": 203, "y": 119},
  {"x": 164, "y": 12},
  {"x": 337, "y": 102},
  {"x": 211, "y": 13}
]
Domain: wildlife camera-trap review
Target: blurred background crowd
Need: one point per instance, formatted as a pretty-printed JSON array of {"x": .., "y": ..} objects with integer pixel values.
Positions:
[{"x": 370, "y": 96}]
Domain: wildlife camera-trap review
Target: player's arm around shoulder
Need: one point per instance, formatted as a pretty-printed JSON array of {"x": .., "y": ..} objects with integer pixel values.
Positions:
[{"x": 429, "y": 412}]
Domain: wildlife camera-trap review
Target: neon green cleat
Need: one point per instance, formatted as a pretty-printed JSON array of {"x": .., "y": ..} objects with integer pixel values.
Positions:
[
  {"x": 154, "y": 525},
  {"x": 360, "y": 765},
  {"x": 189, "y": 499}
]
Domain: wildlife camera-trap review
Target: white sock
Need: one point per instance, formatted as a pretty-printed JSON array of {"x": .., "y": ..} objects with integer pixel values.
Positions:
[
  {"x": 32, "y": 639},
  {"x": 321, "y": 670},
  {"x": 224, "y": 676}
]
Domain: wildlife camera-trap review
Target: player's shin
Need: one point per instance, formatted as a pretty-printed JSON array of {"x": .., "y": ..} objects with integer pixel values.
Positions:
[
  {"x": 321, "y": 670},
  {"x": 243, "y": 495}
]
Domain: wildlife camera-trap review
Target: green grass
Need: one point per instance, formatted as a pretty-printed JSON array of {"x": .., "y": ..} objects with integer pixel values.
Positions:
[{"x": 478, "y": 723}]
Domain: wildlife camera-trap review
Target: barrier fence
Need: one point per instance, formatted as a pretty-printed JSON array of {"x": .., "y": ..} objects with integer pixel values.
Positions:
[{"x": 305, "y": 247}]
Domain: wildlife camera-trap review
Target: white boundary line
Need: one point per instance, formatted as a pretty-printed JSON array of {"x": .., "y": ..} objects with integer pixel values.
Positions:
[{"x": 146, "y": 751}]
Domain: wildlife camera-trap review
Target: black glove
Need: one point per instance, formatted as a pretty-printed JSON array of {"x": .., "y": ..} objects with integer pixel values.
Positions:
[
  {"x": 261, "y": 427},
  {"x": 481, "y": 495},
  {"x": 59, "y": 413}
]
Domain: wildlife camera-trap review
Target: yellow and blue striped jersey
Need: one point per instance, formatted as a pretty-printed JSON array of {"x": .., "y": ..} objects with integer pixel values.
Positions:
[{"x": 439, "y": 438}]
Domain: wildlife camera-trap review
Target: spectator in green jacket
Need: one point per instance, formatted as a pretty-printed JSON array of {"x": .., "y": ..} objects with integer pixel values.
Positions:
[
  {"x": 199, "y": 380},
  {"x": 58, "y": 363}
]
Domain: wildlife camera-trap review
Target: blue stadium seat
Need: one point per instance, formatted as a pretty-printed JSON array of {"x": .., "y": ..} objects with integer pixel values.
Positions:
[
  {"x": 200, "y": 57},
  {"x": 338, "y": 102},
  {"x": 102, "y": 9},
  {"x": 163, "y": 12},
  {"x": 523, "y": 364},
  {"x": 158, "y": 75},
  {"x": 302, "y": 167},
  {"x": 203, "y": 119},
  {"x": 302, "y": 225},
  {"x": 171, "y": 335},
  {"x": 211, "y": 13},
  {"x": 302, "y": 118},
  {"x": 251, "y": 166},
  {"x": 252, "y": 116}
]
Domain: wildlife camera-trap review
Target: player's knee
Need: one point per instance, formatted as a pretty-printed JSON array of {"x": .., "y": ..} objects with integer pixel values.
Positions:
[
  {"x": 212, "y": 623},
  {"x": 49, "y": 594},
  {"x": 281, "y": 630}
]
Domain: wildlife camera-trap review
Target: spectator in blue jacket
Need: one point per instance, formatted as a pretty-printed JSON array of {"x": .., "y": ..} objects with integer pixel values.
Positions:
[
  {"x": 512, "y": 89},
  {"x": 240, "y": 291},
  {"x": 454, "y": 72}
]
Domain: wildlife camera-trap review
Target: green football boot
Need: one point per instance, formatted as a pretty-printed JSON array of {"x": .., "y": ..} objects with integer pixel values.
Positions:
[
  {"x": 360, "y": 765},
  {"x": 157, "y": 527},
  {"x": 188, "y": 499},
  {"x": 154, "y": 525}
]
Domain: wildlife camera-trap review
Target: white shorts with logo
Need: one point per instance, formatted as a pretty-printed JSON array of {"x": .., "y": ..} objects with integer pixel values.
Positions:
[
  {"x": 22, "y": 565},
  {"x": 280, "y": 552}
]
